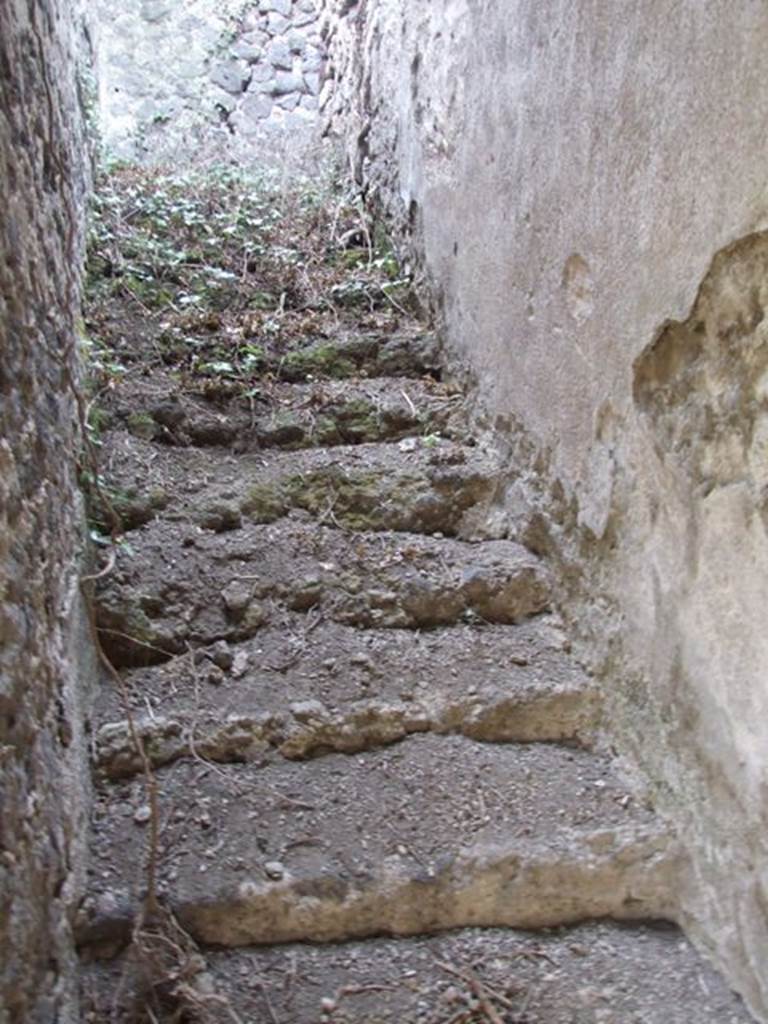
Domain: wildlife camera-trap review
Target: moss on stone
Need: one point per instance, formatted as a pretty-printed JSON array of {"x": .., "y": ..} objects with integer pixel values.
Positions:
[
  {"x": 350, "y": 421},
  {"x": 326, "y": 360},
  {"x": 141, "y": 424},
  {"x": 136, "y": 508},
  {"x": 264, "y": 503}
]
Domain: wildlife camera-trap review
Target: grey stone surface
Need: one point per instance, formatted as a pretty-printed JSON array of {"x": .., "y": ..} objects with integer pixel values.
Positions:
[
  {"x": 312, "y": 59},
  {"x": 244, "y": 49},
  {"x": 303, "y": 18},
  {"x": 289, "y": 101},
  {"x": 277, "y": 24},
  {"x": 232, "y": 76},
  {"x": 569, "y": 212},
  {"x": 286, "y": 82},
  {"x": 279, "y": 54},
  {"x": 262, "y": 73},
  {"x": 257, "y": 108},
  {"x": 297, "y": 41},
  {"x": 312, "y": 82},
  {"x": 251, "y": 20},
  {"x": 155, "y": 10},
  {"x": 43, "y": 638}
]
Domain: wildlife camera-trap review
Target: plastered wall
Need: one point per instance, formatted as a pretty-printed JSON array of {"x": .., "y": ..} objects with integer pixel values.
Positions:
[{"x": 586, "y": 188}]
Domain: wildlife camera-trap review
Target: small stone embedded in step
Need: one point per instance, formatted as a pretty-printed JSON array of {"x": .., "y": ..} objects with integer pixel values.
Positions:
[
  {"x": 274, "y": 870},
  {"x": 215, "y": 676},
  {"x": 307, "y": 594},
  {"x": 220, "y": 516},
  {"x": 220, "y": 654},
  {"x": 143, "y": 814},
  {"x": 256, "y": 615},
  {"x": 240, "y": 664},
  {"x": 362, "y": 660},
  {"x": 169, "y": 413},
  {"x": 237, "y": 596},
  {"x": 308, "y": 711}
]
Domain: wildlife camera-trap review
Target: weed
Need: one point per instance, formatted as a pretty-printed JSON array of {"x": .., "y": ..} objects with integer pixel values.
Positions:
[{"x": 239, "y": 275}]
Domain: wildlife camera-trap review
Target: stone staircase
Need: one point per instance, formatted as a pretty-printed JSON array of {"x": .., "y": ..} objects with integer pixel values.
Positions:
[{"x": 379, "y": 767}]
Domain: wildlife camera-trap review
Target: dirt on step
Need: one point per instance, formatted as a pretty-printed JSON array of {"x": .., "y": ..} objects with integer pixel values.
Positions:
[{"x": 597, "y": 973}]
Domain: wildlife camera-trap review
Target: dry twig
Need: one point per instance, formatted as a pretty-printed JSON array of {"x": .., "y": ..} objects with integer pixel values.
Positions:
[{"x": 478, "y": 990}]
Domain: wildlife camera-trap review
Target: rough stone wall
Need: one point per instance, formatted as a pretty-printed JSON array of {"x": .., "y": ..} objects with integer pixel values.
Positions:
[
  {"x": 43, "y": 647},
  {"x": 209, "y": 79},
  {"x": 586, "y": 186}
]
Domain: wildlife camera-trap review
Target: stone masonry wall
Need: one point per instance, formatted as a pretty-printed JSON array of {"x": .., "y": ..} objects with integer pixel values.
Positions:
[
  {"x": 44, "y": 662},
  {"x": 586, "y": 187},
  {"x": 207, "y": 80}
]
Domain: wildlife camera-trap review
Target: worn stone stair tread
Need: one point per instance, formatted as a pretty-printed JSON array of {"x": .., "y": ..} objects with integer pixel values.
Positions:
[
  {"x": 436, "y": 832},
  {"x": 423, "y": 485},
  {"x": 179, "y": 585},
  {"x": 593, "y": 973},
  {"x": 410, "y": 352},
  {"x": 282, "y": 415},
  {"x": 342, "y": 691}
]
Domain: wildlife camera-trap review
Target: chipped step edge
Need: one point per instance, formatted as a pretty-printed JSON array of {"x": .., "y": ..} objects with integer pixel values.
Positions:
[
  {"x": 523, "y": 592},
  {"x": 309, "y": 729},
  {"x": 625, "y": 873}
]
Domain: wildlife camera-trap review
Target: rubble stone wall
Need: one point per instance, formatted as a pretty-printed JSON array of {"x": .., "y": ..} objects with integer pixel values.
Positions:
[
  {"x": 45, "y": 666},
  {"x": 205, "y": 80}
]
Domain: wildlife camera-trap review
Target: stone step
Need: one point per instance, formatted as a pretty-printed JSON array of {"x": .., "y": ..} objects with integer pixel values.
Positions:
[
  {"x": 346, "y": 693},
  {"x": 179, "y": 585},
  {"x": 594, "y": 973},
  {"x": 273, "y": 414},
  {"x": 227, "y": 363},
  {"x": 300, "y": 658},
  {"x": 418, "y": 485},
  {"x": 437, "y": 832}
]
